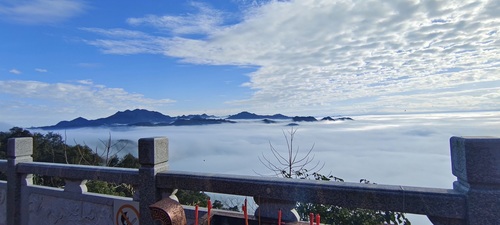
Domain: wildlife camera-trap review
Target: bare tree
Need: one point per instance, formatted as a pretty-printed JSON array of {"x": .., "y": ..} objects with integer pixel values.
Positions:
[
  {"x": 290, "y": 164},
  {"x": 111, "y": 149}
]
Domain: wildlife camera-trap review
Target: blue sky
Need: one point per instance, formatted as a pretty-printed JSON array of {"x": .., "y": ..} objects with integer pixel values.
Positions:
[{"x": 60, "y": 59}]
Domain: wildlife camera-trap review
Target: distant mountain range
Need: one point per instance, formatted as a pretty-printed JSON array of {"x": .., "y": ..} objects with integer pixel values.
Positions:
[
  {"x": 247, "y": 115},
  {"x": 142, "y": 117}
]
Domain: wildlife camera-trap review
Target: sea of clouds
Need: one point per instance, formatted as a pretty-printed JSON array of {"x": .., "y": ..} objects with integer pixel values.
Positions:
[{"x": 411, "y": 150}]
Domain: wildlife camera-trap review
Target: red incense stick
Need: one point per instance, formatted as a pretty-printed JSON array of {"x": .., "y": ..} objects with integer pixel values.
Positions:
[
  {"x": 196, "y": 215},
  {"x": 209, "y": 206},
  {"x": 245, "y": 212},
  {"x": 279, "y": 217}
]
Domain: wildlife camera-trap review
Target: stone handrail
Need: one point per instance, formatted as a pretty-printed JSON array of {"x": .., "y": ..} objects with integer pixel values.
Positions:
[
  {"x": 427, "y": 201},
  {"x": 474, "y": 199},
  {"x": 81, "y": 172}
]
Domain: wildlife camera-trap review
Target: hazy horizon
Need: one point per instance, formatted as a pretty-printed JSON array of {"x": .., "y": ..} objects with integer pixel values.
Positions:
[{"x": 5, "y": 125}]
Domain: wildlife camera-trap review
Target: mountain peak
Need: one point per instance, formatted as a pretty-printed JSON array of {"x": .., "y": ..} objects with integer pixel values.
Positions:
[
  {"x": 136, "y": 116},
  {"x": 248, "y": 115},
  {"x": 126, "y": 117}
]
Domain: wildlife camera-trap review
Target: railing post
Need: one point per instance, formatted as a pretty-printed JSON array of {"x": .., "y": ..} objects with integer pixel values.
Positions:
[
  {"x": 18, "y": 150},
  {"x": 153, "y": 157},
  {"x": 476, "y": 164}
]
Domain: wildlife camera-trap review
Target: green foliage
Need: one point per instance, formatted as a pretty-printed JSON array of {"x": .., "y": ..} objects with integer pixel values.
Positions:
[
  {"x": 52, "y": 147},
  {"x": 107, "y": 188},
  {"x": 343, "y": 216},
  {"x": 102, "y": 187},
  {"x": 217, "y": 204},
  {"x": 129, "y": 161},
  {"x": 290, "y": 165},
  {"x": 188, "y": 197},
  {"x": 231, "y": 208}
]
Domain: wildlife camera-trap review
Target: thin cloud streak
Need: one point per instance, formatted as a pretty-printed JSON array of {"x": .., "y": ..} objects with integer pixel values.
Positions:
[
  {"x": 125, "y": 42},
  {"x": 41, "y": 70},
  {"x": 15, "y": 71},
  {"x": 321, "y": 53},
  {"x": 41, "y": 11},
  {"x": 203, "y": 22}
]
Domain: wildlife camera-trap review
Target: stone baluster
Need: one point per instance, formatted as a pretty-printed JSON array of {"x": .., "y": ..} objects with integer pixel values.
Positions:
[
  {"x": 75, "y": 186},
  {"x": 476, "y": 164},
  {"x": 153, "y": 157},
  {"x": 268, "y": 208},
  {"x": 19, "y": 150}
]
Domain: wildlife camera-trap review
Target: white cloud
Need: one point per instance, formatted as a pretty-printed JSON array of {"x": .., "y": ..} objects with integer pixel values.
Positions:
[
  {"x": 41, "y": 70},
  {"x": 15, "y": 71},
  {"x": 203, "y": 22},
  {"x": 50, "y": 101},
  {"x": 121, "y": 33},
  {"x": 88, "y": 65},
  {"x": 126, "y": 42},
  {"x": 85, "y": 82},
  {"x": 328, "y": 53},
  {"x": 41, "y": 11}
]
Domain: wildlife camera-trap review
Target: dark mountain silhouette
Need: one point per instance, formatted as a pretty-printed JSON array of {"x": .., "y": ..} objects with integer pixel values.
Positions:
[
  {"x": 202, "y": 116},
  {"x": 135, "y": 116},
  {"x": 268, "y": 121},
  {"x": 199, "y": 120},
  {"x": 304, "y": 119},
  {"x": 335, "y": 119},
  {"x": 78, "y": 122},
  {"x": 344, "y": 118},
  {"x": 142, "y": 117},
  {"x": 127, "y": 117},
  {"x": 328, "y": 119},
  {"x": 246, "y": 115}
]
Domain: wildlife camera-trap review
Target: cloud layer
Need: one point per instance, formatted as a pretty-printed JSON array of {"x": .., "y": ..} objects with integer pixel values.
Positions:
[
  {"x": 410, "y": 150},
  {"x": 347, "y": 56}
]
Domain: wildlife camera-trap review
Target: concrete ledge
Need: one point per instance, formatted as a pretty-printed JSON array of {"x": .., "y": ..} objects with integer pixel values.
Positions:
[{"x": 81, "y": 172}]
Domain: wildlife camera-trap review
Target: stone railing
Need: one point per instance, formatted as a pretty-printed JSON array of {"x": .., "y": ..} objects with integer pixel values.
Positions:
[{"x": 474, "y": 199}]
